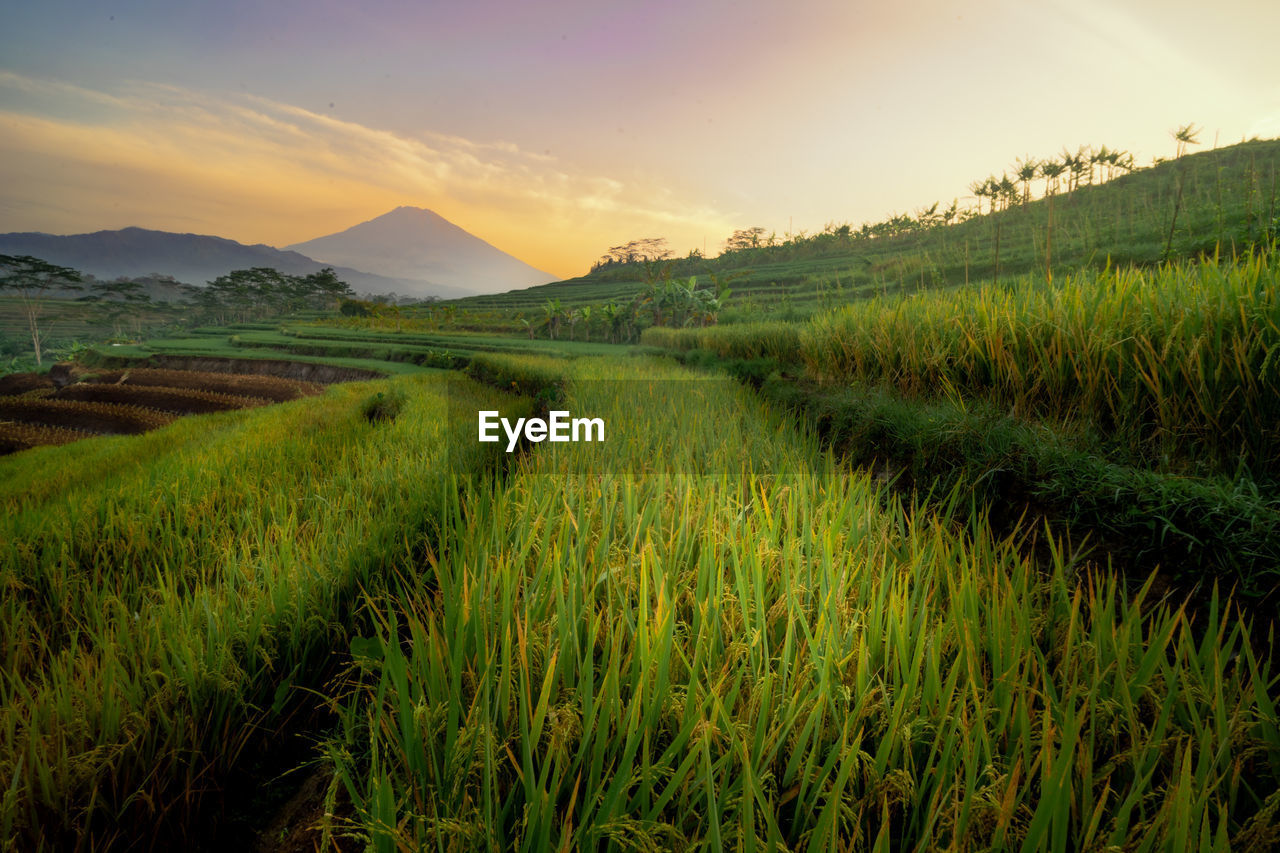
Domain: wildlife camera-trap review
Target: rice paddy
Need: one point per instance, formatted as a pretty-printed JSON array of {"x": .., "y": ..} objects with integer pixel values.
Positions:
[
  {"x": 766, "y": 651},
  {"x": 34, "y": 410},
  {"x": 706, "y": 632},
  {"x": 164, "y": 593},
  {"x": 1172, "y": 364}
]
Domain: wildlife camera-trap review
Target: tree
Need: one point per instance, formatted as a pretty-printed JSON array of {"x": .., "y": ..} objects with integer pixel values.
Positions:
[
  {"x": 745, "y": 238},
  {"x": 30, "y": 279},
  {"x": 118, "y": 299},
  {"x": 648, "y": 249},
  {"x": 1184, "y": 136},
  {"x": 612, "y": 314},
  {"x": 928, "y": 216},
  {"x": 324, "y": 289},
  {"x": 1008, "y": 191},
  {"x": 354, "y": 308},
  {"x": 1027, "y": 170},
  {"x": 1077, "y": 164},
  {"x": 553, "y": 311},
  {"x": 1051, "y": 170},
  {"x": 979, "y": 190},
  {"x": 1100, "y": 157}
]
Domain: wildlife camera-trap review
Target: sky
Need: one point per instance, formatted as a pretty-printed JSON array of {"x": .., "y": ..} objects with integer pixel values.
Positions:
[{"x": 557, "y": 129}]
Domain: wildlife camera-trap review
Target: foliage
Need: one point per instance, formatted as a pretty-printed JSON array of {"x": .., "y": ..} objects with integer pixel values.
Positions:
[
  {"x": 263, "y": 292},
  {"x": 383, "y": 405},
  {"x": 704, "y": 635},
  {"x": 163, "y": 594},
  {"x": 1071, "y": 218},
  {"x": 31, "y": 280},
  {"x": 1176, "y": 365}
]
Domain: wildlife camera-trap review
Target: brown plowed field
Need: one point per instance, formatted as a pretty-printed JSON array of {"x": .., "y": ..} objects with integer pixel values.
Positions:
[
  {"x": 265, "y": 387},
  {"x": 33, "y": 410},
  {"x": 103, "y": 418},
  {"x": 21, "y": 383},
  {"x": 16, "y": 436},
  {"x": 179, "y": 401}
]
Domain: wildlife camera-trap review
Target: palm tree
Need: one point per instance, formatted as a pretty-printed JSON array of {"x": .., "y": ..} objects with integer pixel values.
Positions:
[
  {"x": 979, "y": 190},
  {"x": 1051, "y": 170},
  {"x": 1098, "y": 157},
  {"x": 993, "y": 192},
  {"x": 1184, "y": 136},
  {"x": 1027, "y": 173},
  {"x": 585, "y": 312},
  {"x": 928, "y": 216},
  {"x": 1077, "y": 164},
  {"x": 1008, "y": 191},
  {"x": 1111, "y": 159}
]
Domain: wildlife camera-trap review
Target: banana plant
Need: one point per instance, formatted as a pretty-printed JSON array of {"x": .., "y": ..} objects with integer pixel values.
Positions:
[{"x": 554, "y": 315}]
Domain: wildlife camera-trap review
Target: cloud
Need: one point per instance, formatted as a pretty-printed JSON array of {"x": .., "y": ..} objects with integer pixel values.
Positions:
[{"x": 254, "y": 169}]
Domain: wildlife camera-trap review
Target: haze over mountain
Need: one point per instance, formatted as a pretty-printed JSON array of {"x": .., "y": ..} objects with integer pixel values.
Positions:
[
  {"x": 194, "y": 259},
  {"x": 414, "y": 243}
]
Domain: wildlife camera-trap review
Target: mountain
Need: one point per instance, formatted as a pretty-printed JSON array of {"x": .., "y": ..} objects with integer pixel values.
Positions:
[
  {"x": 195, "y": 259},
  {"x": 414, "y": 243}
]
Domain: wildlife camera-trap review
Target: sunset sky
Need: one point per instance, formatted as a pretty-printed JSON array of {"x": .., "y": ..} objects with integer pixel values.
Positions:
[{"x": 557, "y": 129}]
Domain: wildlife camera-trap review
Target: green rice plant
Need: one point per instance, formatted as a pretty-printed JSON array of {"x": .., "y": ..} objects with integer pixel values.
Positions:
[
  {"x": 704, "y": 634},
  {"x": 774, "y": 340},
  {"x": 164, "y": 597},
  {"x": 1177, "y": 364}
]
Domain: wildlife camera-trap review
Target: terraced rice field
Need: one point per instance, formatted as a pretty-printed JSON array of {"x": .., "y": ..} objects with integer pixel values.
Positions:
[{"x": 36, "y": 409}]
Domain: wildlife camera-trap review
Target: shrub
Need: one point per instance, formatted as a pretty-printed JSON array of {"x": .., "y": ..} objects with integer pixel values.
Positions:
[{"x": 383, "y": 406}]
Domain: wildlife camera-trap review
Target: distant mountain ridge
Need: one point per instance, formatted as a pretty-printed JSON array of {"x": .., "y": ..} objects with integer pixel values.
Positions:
[
  {"x": 192, "y": 258},
  {"x": 416, "y": 243},
  {"x": 409, "y": 251}
]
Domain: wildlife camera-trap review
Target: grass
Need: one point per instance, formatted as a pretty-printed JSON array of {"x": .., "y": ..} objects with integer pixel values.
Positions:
[
  {"x": 1176, "y": 366},
  {"x": 163, "y": 592},
  {"x": 705, "y": 632},
  {"x": 1227, "y": 203},
  {"x": 387, "y": 352},
  {"x": 1198, "y": 530},
  {"x": 109, "y": 356},
  {"x": 706, "y": 635}
]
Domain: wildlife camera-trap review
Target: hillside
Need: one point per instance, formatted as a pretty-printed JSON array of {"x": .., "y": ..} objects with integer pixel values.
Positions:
[
  {"x": 191, "y": 258},
  {"x": 1226, "y": 202}
]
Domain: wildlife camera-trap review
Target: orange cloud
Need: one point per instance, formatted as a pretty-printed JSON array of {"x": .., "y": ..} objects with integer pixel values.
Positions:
[{"x": 259, "y": 171}]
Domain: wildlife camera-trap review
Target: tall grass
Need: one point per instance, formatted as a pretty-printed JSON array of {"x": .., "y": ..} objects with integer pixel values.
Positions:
[
  {"x": 1175, "y": 362},
  {"x": 776, "y": 340},
  {"x": 1177, "y": 365},
  {"x": 160, "y": 594},
  {"x": 776, "y": 655}
]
